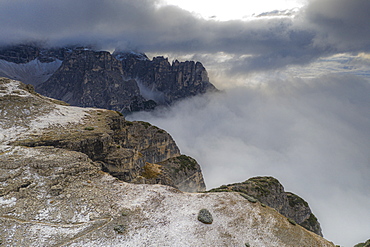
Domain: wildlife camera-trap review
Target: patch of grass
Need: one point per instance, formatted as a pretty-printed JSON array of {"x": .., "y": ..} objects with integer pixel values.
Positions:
[
  {"x": 249, "y": 198},
  {"x": 296, "y": 200},
  {"x": 129, "y": 123},
  {"x": 145, "y": 124},
  {"x": 151, "y": 170},
  {"x": 89, "y": 128},
  {"x": 186, "y": 162},
  {"x": 119, "y": 113},
  {"x": 291, "y": 221},
  {"x": 217, "y": 190}
]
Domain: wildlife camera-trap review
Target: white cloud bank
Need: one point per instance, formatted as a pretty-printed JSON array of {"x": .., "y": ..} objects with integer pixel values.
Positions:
[{"x": 311, "y": 134}]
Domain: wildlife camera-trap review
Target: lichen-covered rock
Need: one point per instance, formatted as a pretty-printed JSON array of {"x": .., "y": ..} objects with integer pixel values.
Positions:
[
  {"x": 184, "y": 166},
  {"x": 205, "y": 216},
  {"x": 269, "y": 191}
]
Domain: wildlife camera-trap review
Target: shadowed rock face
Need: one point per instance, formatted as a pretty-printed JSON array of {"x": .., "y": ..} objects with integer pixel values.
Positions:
[
  {"x": 269, "y": 191},
  {"x": 167, "y": 82},
  {"x": 122, "y": 148},
  {"x": 94, "y": 79},
  {"x": 124, "y": 81}
]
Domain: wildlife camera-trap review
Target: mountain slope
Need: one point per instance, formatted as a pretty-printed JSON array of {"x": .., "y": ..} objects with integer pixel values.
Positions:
[{"x": 122, "y": 148}]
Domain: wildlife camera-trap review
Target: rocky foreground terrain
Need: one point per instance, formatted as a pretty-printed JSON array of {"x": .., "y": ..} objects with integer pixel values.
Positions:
[
  {"x": 122, "y": 81},
  {"x": 62, "y": 183},
  {"x": 270, "y": 191}
]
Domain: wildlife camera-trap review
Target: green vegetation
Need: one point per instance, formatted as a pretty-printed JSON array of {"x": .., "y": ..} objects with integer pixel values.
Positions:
[
  {"x": 145, "y": 124},
  {"x": 217, "y": 190},
  {"x": 129, "y": 123},
  {"x": 366, "y": 244},
  {"x": 186, "y": 162},
  {"x": 249, "y": 198},
  {"x": 119, "y": 113},
  {"x": 89, "y": 128},
  {"x": 291, "y": 221},
  {"x": 295, "y": 200}
]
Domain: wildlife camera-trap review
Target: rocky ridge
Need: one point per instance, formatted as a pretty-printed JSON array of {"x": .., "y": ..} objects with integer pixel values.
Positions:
[
  {"x": 270, "y": 191},
  {"x": 124, "y": 149},
  {"x": 54, "y": 192},
  {"x": 123, "y": 81}
]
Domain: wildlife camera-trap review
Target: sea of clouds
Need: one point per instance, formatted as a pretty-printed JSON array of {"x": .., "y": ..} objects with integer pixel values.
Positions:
[{"x": 312, "y": 134}]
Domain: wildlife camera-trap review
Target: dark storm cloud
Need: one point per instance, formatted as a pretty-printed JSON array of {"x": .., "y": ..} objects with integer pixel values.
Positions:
[
  {"x": 340, "y": 24},
  {"x": 321, "y": 28}
]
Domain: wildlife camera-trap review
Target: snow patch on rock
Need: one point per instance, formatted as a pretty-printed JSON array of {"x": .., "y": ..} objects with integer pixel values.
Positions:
[{"x": 33, "y": 72}]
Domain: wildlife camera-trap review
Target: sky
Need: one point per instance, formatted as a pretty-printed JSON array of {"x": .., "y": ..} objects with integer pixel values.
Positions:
[{"x": 294, "y": 79}]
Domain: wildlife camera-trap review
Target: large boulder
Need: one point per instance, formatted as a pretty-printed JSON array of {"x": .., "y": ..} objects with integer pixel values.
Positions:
[{"x": 270, "y": 191}]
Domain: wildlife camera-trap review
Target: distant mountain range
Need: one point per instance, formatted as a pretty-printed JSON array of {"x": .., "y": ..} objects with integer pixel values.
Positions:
[{"x": 125, "y": 81}]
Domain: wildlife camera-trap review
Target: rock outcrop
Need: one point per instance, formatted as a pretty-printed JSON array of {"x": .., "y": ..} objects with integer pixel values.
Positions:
[
  {"x": 55, "y": 197},
  {"x": 165, "y": 82},
  {"x": 124, "y": 81},
  {"x": 269, "y": 191},
  {"x": 366, "y": 244},
  {"x": 121, "y": 147}
]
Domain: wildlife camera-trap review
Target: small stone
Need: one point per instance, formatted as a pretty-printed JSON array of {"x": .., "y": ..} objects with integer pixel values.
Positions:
[
  {"x": 119, "y": 228},
  {"x": 205, "y": 216}
]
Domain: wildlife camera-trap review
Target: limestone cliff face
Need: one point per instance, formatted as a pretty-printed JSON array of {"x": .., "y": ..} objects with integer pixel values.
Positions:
[
  {"x": 55, "y": 197},
  {"x": 167, "y": 82},
  {"x": 122, "y": 148},
  {"x": 269, "y": 191},
  {"x": 25, "y": 53},
  {"x": 93, "y": 79},
  {"x": 85, "y": 77}
]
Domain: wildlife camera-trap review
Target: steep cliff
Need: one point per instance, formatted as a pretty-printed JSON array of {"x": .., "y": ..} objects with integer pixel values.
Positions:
[
  {"x": 122, "y": 148},
  {"x": 269, "y": 191},
  {"x": 93, "y": 79},
  {"x": 124, "y": 81},
  {"x": 163, "y": 81}
]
